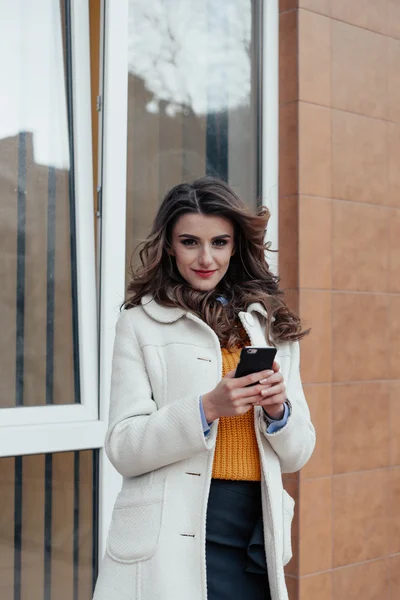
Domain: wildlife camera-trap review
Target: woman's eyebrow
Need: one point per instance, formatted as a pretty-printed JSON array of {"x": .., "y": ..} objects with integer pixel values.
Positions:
[
  {"x": 216, "y": 237},
  {"x": 188, "y": 235}
]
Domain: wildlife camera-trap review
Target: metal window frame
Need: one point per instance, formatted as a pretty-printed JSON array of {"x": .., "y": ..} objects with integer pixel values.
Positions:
[
  {"x": 30, "y": 430},
  {"x": 112, "y": 226},
  {"x": 270, "y": 125}
]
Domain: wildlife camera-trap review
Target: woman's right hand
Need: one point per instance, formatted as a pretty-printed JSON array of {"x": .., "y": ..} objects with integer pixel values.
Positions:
[{"x": 232, "y": 396}]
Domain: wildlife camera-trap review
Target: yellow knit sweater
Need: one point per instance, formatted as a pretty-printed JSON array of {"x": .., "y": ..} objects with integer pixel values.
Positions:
[{"x": 236, "y": 452}]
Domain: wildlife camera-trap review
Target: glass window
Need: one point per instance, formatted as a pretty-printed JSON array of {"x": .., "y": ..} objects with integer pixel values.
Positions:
[
  {"x": 38, "y": 301},
  {"x": 193, "y": 100},
  {"x": 48, "y": 526}
]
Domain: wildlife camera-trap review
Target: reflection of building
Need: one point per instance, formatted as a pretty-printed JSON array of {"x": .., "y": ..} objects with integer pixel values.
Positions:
[
  {"x": 37, "y": 368},
  {"x": 167, "y": 147},
  {"x": 36, "y": 321}
]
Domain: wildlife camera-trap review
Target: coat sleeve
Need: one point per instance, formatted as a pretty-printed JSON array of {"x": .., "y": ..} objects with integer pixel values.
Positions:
[
  {"x": 141, "y": 437},
  {"x": 295, "y": 442}
]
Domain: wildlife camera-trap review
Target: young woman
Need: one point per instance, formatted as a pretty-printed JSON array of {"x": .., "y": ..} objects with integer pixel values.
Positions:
[{"x": 202, "y": 513}]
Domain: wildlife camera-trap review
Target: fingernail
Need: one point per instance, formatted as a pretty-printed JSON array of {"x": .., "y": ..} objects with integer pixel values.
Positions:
[
  {"x": 264, "y": 392},
  {"x": 264, "y": 381}
]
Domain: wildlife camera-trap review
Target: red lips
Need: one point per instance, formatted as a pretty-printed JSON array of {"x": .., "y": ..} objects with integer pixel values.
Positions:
[{"x": 203, "y": 273}]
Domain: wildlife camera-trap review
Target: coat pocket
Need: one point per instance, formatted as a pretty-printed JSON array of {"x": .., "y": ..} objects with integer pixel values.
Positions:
[
  {"x": 135, "y": 529},
  {"x": 288, "y": 512}
]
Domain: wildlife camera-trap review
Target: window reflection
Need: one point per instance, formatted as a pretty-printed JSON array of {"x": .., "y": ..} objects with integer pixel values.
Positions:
[
  {"x": 38, "y": 301},
  {"x": 48, "y": 526},
  {"x": 192, "y": 100}
]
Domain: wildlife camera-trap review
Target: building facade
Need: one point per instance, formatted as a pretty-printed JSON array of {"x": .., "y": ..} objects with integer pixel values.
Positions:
[{"x": 339, "y": 196}]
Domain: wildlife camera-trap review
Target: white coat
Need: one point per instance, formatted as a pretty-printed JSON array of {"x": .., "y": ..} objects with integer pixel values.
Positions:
[{"x": 164, "y": 358}]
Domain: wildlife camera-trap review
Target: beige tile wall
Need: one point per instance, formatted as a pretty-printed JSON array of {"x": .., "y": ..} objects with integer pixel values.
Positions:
[{"x": 340, "y": 265}]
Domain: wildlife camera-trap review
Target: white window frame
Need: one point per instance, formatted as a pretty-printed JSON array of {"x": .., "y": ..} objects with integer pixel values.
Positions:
[
  {"x": 114, "y": 129},
  {"x": 270, "y": 125},
  {"x": 27, "y": 430}
]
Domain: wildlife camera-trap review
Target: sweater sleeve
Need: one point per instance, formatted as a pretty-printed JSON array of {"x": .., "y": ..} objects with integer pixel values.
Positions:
[{"x": 139, "y": 438}]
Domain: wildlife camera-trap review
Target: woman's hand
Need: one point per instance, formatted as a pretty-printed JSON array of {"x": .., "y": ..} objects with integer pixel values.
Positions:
[
  {"x": 273, "y": 394},
  {"x": 232, "y": 396}
]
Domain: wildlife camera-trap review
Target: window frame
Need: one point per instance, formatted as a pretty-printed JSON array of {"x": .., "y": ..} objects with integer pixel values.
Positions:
[{"x": 53, "y": 428}]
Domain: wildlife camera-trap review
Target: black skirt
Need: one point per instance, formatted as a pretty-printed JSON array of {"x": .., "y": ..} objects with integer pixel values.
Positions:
[{"x": 235, "y": 554}]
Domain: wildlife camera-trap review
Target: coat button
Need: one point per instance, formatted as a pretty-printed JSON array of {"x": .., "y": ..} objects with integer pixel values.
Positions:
[{"x": 249, "y": 319}]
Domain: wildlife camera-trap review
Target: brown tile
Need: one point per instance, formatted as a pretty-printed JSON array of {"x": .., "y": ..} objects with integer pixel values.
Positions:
[
  {"x": 314, "y": 58},
  {"x": 292, "y": 299},
  {"x": 393, "y": 141},
  {"x": 315, "y": 541},
  {"x": 315, "y": 247},
  {"x": 394, "y": 337},
  {"x": 292, "y": 584},
  {"x": 394, "y": 250},
  {"x": 288, "y": 242},
  {"x": 368, "y": 581},
  {"x": 395, "y": 423},
  {"x": 394, "y": 80},
  {"x": 361, "y": 436},
  {"x": 292, "y": 487},
  {"x": 320, "y": 403},
  {"x": 368, "y": 14},
  {"x": 357, "y": 228},
  {"x": 359, "y": 70},
  {"x": 287, "y": 5},
  {"x": 393, "y": 18},
  {"x": 315, "y": 311},
  {"x": 359, "y": 517},
  {"x": 394, "y": 576},
  {"x": 288, "y": 149},
  {"x": 288, "y": 57},
  {"x": 360, "y": 336},
  {"x": 316, "y": 587},
  {"x": 318, "y": 6},
  {"x": 286, "y": 478},
  {"x": 359, "y": 158},
  {"x": 314, "y": 150},
  {"x": 394, "y": 511}
]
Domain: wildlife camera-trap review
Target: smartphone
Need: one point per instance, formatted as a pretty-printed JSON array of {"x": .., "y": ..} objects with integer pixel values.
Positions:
[{"x": 254, "y": 359}]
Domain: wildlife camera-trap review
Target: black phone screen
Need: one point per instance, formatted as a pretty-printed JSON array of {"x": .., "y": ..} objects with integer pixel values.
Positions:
[{"x": 254, "y": 359}]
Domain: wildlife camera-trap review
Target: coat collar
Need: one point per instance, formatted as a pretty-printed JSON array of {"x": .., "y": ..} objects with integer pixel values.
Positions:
[{"x": 165, "y": 314}]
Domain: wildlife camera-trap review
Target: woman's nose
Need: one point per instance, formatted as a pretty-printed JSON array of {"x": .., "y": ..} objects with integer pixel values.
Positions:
[{"x": 206, "y": 257}]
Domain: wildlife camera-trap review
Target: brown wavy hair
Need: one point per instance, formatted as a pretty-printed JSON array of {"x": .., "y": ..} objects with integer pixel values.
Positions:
[{"x": 248, "y": 278}]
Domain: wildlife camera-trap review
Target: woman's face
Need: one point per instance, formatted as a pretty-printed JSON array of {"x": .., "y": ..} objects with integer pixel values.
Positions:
[{"x": 202, "y": 246}]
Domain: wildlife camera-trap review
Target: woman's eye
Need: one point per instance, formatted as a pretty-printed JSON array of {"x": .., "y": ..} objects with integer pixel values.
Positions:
[
  {"x": 188, "y": 242},
  {"x": 220, "y": 243}
]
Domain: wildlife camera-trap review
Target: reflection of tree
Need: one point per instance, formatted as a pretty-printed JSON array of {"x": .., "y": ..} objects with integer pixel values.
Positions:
[
  {"x": 32, "y": 72},
  {"x": 192, "y": 53},
  {"x": 190, "y": 102},
  {"x": 171, "y": 48}
]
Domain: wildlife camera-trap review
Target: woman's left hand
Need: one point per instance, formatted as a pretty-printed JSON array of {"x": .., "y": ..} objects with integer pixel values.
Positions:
[{"x": 274, "y": 396}]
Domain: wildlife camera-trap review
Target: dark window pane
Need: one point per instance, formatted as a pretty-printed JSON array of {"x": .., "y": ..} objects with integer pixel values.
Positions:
[{"x": 48, "y": 526}]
